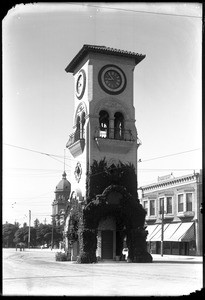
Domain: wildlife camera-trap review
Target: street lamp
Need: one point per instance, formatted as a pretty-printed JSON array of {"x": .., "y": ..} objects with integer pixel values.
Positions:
[{"x": 52, "y": 233}]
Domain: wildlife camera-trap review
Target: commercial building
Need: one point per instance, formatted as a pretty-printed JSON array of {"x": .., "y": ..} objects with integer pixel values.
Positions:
[{"x": 174, "y": 219}]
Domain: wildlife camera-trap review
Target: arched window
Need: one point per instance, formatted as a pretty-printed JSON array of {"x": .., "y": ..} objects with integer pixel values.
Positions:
[
  {"x": 83, "y": 124},
  {"x": 104, "y": 123},
  {"x": 77, "y": 131},
  {"x": 118, "y": 125}
]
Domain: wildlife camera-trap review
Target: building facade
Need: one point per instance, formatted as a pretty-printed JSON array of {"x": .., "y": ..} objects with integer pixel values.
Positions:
[
  {"x": 174, "y": 219},
  {"x": 104, "y": 147},
  {"x": 62, "y": 194}
]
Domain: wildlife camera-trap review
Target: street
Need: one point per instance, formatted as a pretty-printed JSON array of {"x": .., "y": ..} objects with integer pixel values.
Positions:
[{"x": 35, "y": 272}]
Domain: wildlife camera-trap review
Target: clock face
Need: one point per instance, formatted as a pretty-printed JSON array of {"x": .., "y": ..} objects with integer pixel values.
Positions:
[
  {"x": 112, "y": 79},
  {"x": 80, "y": 84}
]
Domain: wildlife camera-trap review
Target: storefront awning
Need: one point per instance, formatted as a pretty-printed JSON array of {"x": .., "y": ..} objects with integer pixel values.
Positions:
[
  {"x": 170, "y": 230},
  {"x": 185, "y": 233},
  {"x": 151, "y": 229},
  {"x": 175, "y": 232},
  {"x": 156, "y": 237}
]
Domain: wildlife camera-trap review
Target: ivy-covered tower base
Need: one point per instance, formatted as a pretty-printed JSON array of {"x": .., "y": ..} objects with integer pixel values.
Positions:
[{"x": 104, "y": 215}]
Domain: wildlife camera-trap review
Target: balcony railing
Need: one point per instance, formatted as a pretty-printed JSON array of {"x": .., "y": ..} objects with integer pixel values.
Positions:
[
  {"x": 108, "y": 139},
  {"x": 74, "y": 137},
  {"x": 114, "y": 140},
  {"x": 114, "y": 133},
  {"x": 76, "y": 142}
]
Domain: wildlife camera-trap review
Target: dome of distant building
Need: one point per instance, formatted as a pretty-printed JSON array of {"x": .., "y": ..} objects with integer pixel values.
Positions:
[{"x": 63, "y": 185}]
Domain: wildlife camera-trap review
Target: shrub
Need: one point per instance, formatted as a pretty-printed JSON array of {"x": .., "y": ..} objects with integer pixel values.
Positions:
[
  {"x": 86, "y": 258},
  {"x": 60, "y": 256},
  {"x": 101, "y": 183}
]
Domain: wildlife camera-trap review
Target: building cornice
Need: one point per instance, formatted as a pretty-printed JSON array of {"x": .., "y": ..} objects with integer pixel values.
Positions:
[{"x": 171, "y": 182}]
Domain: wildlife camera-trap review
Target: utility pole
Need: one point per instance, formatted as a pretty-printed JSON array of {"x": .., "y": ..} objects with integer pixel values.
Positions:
[
  {"x": 52, "y": 233},
  {"x": 162, "y": 232},
  {"x": 29, "y": 229},
  {"x": 64, "y": 160}
]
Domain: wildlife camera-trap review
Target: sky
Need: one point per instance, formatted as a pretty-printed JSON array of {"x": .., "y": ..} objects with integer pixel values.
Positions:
[{"x": 40, "y": 39}]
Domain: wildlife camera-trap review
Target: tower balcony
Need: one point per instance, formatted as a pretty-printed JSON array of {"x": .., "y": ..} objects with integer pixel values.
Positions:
[
  {"x": 76, "y": 143},
  {"x": 114, "y": 140}
]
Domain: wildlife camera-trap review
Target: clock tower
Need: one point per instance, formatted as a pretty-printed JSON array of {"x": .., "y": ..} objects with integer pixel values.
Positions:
[
  {"x": 104, "y": 136},
  {"x": 104, "y": 118}
]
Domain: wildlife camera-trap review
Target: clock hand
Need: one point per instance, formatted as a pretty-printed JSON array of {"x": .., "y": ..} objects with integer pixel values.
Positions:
[{"x": 111, "y": 78}]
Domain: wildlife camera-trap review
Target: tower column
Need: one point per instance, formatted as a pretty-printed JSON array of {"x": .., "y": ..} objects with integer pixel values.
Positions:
[{"x": 111, "y": 129}]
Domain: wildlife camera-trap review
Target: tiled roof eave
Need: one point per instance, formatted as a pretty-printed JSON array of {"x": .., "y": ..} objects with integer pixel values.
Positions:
[{"x": 104, "y": 50}]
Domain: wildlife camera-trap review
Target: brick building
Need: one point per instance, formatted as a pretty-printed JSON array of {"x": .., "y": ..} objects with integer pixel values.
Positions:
[{"x": 173, "y": 214}]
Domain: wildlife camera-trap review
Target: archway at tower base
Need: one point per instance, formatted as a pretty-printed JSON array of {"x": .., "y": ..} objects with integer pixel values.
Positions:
[{"x": 127, "y": 216}]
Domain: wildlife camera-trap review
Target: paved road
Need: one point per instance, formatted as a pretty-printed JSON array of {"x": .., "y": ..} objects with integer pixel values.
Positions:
[{"x": 35, "y": 272}]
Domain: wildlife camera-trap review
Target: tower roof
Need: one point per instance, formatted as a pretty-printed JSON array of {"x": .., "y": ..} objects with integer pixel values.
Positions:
[
  {"x": 63, "y": 185},
  {"x": 104, "y": 50}
]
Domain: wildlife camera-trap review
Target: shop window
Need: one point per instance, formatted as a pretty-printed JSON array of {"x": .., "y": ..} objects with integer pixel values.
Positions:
[
  {"x": 167, "y": 247},
  {"x": 192, "y": 248},
  {"x": 153, "y": 247},
  {"x": 169, "y": 205},
  {"x": 118, "y": 125},
  {"x": 175, "y": 248},
  {"x": 158, "y": 247},
  {"x": 189, "y": 201},
  {"x": 104, "y": 124},
  {"x": 184, "y": 248},
  {"x": 152, "y": 207},
  {"x": 180, "y": 202}
]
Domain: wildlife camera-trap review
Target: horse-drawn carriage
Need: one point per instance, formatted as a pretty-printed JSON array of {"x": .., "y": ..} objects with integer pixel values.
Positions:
[{"x": 20, "y": 246}]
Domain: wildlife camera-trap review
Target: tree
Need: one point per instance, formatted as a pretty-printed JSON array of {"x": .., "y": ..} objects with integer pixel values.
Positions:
[
  {"x": 36, "y": 223},
  {"x": 33, "y": 241},
  {"x": 17, "y": 224},
  {"x": 43, "y": 234},
  {"x": 9, "y": 231},
  {"x": 57, "y": 234},
  {"x": 21, "y": 235}
]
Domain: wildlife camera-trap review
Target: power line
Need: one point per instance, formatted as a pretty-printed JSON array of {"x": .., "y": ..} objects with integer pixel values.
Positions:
[
  {"x": 140, "y": 11},
  {"x": 167, "y": 169},
  {"x": 43, "y": 153},
  {"x": 40, "y": 152},
  {"x": 32, "y": 169},
  {"x": 46, "y": 175},
  {"x": 140, "y": 160},
  {"x": 141, "y": 169}
]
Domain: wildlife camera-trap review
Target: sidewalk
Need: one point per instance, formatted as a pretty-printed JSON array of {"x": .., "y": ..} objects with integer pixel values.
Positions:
[
  {"x": 177, "y": 258},
  {"x": 157, "y": 258}
]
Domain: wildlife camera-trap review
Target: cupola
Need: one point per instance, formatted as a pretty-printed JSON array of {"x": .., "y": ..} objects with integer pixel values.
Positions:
[{"x": 63, "y": 185}]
